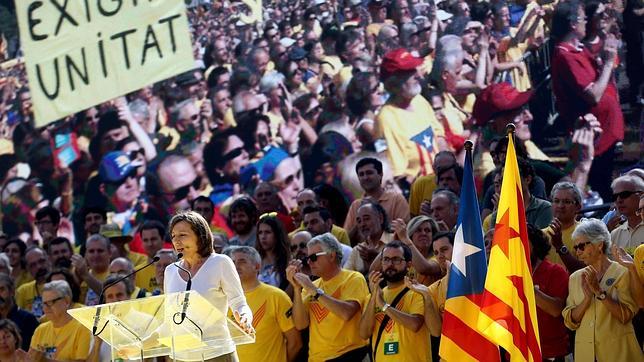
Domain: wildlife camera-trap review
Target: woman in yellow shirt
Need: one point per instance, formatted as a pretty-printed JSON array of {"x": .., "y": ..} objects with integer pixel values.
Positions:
[
  {"x": 599, "y": 306},
  {"x": 61, "y": 338}
]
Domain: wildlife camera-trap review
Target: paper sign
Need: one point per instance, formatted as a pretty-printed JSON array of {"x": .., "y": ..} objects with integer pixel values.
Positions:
[{"x": 79, "y": 53}]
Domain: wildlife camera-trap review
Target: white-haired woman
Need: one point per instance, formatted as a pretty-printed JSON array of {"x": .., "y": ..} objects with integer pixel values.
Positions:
[
  {"x": 600, "y": 305},
  {"x": 61, "y": 338}
]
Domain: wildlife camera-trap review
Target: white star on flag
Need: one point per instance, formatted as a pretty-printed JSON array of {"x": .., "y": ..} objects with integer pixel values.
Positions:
[
  {"x": 427, "y": 141},
  {"x": 462, "y": 250}
]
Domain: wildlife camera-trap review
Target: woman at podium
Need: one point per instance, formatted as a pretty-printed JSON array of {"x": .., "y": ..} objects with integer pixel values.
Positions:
[{"x": 212, "y": 275}]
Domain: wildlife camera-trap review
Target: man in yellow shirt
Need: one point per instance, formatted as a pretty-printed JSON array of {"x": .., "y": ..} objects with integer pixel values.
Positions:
[
  {"x": 28, "y": 295},
  {"x": 276, "y": 338},
  {"x": 329, "y": 306},
  {"x": 424, "y": 186},
  {"x": 393, "y": 318},
  {"x": 93, "y": 268},
  {"x": 566, "y": 200},
  {"x": 407, "y": 122},
  {"x": 152, "y": 233}
]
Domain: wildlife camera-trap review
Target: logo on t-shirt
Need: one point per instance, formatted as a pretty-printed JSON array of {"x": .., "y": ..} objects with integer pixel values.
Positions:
[
  {"x": 425, "y": 139},
  {"x": 258, "y": 315},
  {"x": 320, "y": 312}
]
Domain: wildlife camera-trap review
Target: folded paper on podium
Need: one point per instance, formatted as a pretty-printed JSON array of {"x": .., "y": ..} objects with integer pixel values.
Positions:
[{"x": 155, "y": 326}]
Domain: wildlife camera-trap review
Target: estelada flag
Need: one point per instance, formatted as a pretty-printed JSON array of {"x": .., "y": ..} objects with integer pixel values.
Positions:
[
  {"x": 460, "y": 339},
  {"x": 508, "y": 299}
]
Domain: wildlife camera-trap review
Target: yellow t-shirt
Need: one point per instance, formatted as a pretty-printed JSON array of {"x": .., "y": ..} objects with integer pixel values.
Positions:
[
  {"x": 329, "y": 335},
  {"x": 454, "y": 114},
  {"x": 23, "y": 278},
  {"x": 337, "y": 231},
  {"x": 137, "y": 259},
  {"x": 438, "y": 291},
  {"x": 87, "y": 295},
  {"x": 398, "y": 343},
  {"x": 638, "y": 257},
  {"x": 146, "y": 279},
  {"x": 271, "y": 319},
  {"x": 421, "y": 189},
  {"x": 410, "y": 137},
  {"x": 28, "y": 298},
  {"x": 566, "y": 238},
  {"x": 69, "y": 342}
]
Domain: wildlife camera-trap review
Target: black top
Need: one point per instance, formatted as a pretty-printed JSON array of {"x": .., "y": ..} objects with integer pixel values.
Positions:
[{"x": 26, "y": 322}]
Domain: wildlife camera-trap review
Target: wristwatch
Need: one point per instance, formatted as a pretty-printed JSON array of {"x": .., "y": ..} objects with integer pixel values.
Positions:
[
  {"x": 318, "y": 293},
  {"x": 385, "y": 307},
  {"x": 563, "y": 250},
  {"x": 601, "y": 296}
]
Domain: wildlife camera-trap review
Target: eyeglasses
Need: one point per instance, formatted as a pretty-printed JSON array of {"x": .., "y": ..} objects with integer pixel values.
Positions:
[
  {"x": 581, "y": 246},
  {"x": 301, "y": 245},
  {"x": 50, "y": 303},
  {"x": 393, "y": 261},
  {"x": 183, "y": 191},
  {"x": 314, "y": 257},
  {"x": 563, "y": 201},
  {"x": 625, "y": 194}
]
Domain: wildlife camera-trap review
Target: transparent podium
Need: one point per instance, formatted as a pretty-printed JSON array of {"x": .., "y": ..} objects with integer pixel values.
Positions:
[{"x": 183, "y": 326}]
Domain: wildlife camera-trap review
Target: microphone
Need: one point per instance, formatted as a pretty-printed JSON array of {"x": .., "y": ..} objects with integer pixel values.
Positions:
[
  {"x": 186, "y": 297},
  {"x": 97, "y": 316}
]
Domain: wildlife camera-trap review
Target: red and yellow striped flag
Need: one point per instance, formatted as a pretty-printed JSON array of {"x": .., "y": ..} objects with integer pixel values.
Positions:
[{"x": 508, "y": 299}]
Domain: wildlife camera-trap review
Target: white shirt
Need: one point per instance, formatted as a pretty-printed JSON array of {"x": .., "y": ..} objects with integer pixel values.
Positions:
[{"x": 218, "y": 282}]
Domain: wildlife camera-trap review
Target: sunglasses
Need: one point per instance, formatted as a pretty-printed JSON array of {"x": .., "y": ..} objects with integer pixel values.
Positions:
[
  {"x": 268, "y": 214},
  {"x": 183, "y": 191},
  {"x": 289, "y": 180},
  {"x": 625, "y": 194},
  {"x": 301, "y": 245},
  {"x": 581, "y": 246},
  {"x": 314, "y": 257},
  {"x": 234, "y": 153},
  {"x": 133, "y": 154}
]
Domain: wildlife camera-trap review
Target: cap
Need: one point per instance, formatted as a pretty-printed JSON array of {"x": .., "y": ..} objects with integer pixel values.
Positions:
[
  {"x": 443, "y": 15},
  {"x": 287, "y": 42},
  {"x": 116, "y": 166},
  {"x": 266, "y": 165},
  {"x": 319, "y": 2},
  {"x": 498, "y": 98},
  {"x": 114, "y": 232},
  {"x": 355, "y": 2},
  {"x": 398, "y": 61},
  {"x": 296, "y": 53}
]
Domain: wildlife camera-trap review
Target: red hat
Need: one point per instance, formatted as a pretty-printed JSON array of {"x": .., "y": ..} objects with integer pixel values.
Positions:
[
  {"x": 398, "y": 61},
  {"x": 498, "y": 98}
]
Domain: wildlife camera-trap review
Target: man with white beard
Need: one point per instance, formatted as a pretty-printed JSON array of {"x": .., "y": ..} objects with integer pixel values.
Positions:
[{"x": 406, "y": 123}]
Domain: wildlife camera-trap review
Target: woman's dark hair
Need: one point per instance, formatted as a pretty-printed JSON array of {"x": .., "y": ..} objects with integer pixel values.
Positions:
[
  {"x": 213, "y": 152},
  {"x": 334, "y": 201},
  {"x": 281, "y": 248},
  {"x": 70, "y": 279},
  {"x": 359, "y": 94},
  {"x": 539, "y": 241},
  {"x": 199, "y": 226},
  {"x": 480, "y": 11},
  {"x": 563, "y": 18},
  {"x": 590, "y": 9},
  {"x": 21, "y": 246},
  {"x": 7, "y": 161},
  {"x": 9, "y": 326}
]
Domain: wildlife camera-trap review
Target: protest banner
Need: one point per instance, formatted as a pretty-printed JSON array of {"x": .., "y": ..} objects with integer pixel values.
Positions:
[{"x": 79, "y": 53}]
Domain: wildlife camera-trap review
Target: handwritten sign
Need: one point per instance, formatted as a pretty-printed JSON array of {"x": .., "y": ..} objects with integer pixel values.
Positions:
[{"x": 79, "y": 53}]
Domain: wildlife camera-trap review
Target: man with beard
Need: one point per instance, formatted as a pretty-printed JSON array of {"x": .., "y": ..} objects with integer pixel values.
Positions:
[
  {"x": 242, "y": 219},
  {"x": 9, "y": 310},
  {"x": 407, "y": 122},
  {"x": 29, "y": 295},
  {"x": 394, "y": 319},
  {"x": 372, "y": 224},
  {"x": 60, "y": 252}
]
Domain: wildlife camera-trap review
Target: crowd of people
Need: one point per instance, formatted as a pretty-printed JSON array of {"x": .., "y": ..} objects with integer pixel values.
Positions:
[{"x": 323, "y": 145}]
